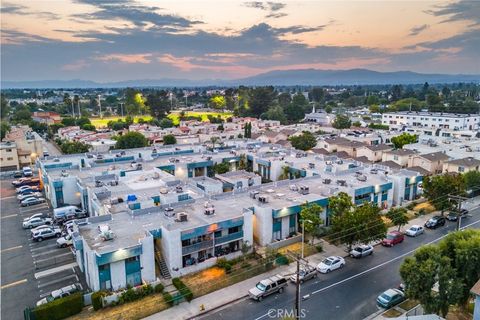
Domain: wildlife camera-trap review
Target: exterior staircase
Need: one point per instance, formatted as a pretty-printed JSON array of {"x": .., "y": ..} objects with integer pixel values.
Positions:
[{"x": 162, "y": 265}]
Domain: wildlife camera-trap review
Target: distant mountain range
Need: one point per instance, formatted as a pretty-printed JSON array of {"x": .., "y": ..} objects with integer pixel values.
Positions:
[{"x": 275, "y": 78}]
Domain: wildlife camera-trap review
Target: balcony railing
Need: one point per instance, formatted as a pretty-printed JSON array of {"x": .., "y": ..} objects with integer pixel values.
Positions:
[
  {"x": 233, "y": 236},
  {"x": 197, "y": 247}
]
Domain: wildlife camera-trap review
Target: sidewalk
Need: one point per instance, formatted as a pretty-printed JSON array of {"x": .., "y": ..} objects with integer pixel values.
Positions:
[{"x": 225, "y": 296}]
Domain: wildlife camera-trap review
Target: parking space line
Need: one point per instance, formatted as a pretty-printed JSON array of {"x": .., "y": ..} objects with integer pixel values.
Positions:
[
  {"x": 53, "y": 257},
  {"x": 10, "y": 197},
  {"x": 37, "y": 248},
  {"x": 48, "y": 272},
  {"x": 46, "y": 252},
  {"x": 12, "y": 248},
  {"x": 10, "y": 216},
  {"x": 13, "y": 284},
  {"x": 34, "y": 208},
  {"x": 56, "y": 280}
]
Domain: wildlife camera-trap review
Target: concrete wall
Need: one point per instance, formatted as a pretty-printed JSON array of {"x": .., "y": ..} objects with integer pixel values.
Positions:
[
  {"x": 71, "y": 193},
  {"x": 118, "y": 275},
  {"x": 147, "y": 259},
  {"x": 262, "y": 226}
]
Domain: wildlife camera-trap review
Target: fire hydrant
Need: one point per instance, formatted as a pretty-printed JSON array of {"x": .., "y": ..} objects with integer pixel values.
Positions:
[{"x": 202, "y": 307}]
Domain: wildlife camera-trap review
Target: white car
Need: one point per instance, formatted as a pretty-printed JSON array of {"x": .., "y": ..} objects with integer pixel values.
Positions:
[
  {"x": 35, "y": 222},
  {"x": 64, "y": 241},
  {"x": 60, "y": 293},
  {"x": 414, "y": 231},
  {"x": 20, "y": 189},
  {"x": 330, "y": 264},
  {"x": 53, "y": 228},
  {"x": 22, "y": 197},
  {"x": 36, "y": 215},
  {"x": 31, "y": 201},
  {"x": 361, "y": 251}
]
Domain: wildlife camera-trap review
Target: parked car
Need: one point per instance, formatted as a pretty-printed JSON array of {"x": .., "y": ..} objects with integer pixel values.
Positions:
[
  {"x": 435, "y": 222},
  {"x": 268, "y": 286},
  {"x": 414, "y": 231},
  {"x": 46, "y": 226},
  {"x": 45, "y": 233},
  {"x": 453, "y": 215},
  {"x": 361, "y": 251},
  {"x": 27, "y": 172},
  {"x": 27, "y": 188},
  {"x": 21, "y": 182},
  {"x": 393, "y": 238},
  {"x": 306, "y": 273},
  {"x": 35, "y": 222},
  {"x": 36, "y": 215},
  {"x": 64, "y": 241},
  {"x": 30, "y": 194},
  {"x": 60, "y": 293},
  {"x": 330, "y": 264},
  {"x": 68, "y": 213},
  {"x": 17, "y": 174},
  {"x": 390, "y": 298},
  {"x": 31, "y": 201}
]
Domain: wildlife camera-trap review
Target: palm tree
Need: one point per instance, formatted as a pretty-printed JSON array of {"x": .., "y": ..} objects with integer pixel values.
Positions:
[{"x": 214, "y": 140}]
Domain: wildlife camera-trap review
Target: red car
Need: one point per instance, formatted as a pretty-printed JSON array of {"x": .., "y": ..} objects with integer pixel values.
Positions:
[{"x": 393, "y": 238}]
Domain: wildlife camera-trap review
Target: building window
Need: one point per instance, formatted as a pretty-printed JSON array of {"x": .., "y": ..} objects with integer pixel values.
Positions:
[
  {"x": 133, "y": 271},
  {"x": 395, "y": 157},
  {"x": 461, "y": 169},
  {"x": 104, "y": 277},
  {"x": 233, "y": 230},
  {"x": 9, "y": 158},
  {"x": 9, "y": 150}
]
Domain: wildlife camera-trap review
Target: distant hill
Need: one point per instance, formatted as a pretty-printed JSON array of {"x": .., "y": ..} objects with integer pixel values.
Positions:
[
  {"x": 351, "y": 77},
  {"x": 275, "y": 78}
]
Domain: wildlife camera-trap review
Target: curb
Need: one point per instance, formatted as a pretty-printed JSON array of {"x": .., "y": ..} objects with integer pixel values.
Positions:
[{"x": 217, "y": 307}]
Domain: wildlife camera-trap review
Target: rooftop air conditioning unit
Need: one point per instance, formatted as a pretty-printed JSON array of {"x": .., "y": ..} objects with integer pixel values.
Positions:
[
  {"x": 362, "y": 178},
  {"x": 263, "y": 199},
  {"x": 209, "y": 211},
  {"x": 182, "y": 217},
  {"x": 64, "y": 173},
  {"x": 56, "y": 160},
  {"x": 113, "y": 200},
  {"x": 163, "y": 190},
  {"x": 179, "y": 189},
  {"x": 169, "y": 212},
  {"x": 374, "y": 171},
  {"x": 304, "y": 190},
  {"x": 113, "y": 183},
  {"x": 342, "y": 183},
  {"x": 311, "y": 165},
  {"x": 328, "y": 162},
  {"x": 98, "y": 183},
  {"x": 293, "y": 187},
  {"x": 253, "y": 194},
  {"x": 326, "y": 181},
  {"x": 339, "y": 161}
]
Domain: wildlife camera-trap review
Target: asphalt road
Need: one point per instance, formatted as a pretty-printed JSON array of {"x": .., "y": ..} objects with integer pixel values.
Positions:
[
  {"x": 348, "y": 293},
  {"x": 21, "y": 259}
]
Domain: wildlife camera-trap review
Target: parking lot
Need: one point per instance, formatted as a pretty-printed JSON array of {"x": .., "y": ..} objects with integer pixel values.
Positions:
[{"x": 30, "y": 270}]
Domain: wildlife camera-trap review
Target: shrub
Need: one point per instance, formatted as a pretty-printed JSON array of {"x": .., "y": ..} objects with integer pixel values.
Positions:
[
  {"x": 319, "y": 248},
  {"x": 159, "y": 288},
  {"x": 167, "y": 297},
  {"x": 147, "y": 290},
  {"x": 129, "y": 295},
  {"x": 97, "y": 298},
  {"x": 60, "y": 308},
  {"x": 246, "y": 265},
  {"x": 224, "y": 264},
  {"x": 183, "y": 289},
  {"x": 281, "y": 260}
]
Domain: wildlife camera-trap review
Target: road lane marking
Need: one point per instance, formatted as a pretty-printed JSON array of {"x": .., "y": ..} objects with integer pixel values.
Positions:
[
  {"x": 10, "y": 216},
  {"x": 378, "y": 266},
  {"x": 12, "y": 248},
  {"x": 33, "y": 208},
  {"x": 48, "y": 272},
  {"x": 56, "y": 281},
  {"x": 47, "y": 252},
  {"x": 37, "y": 248},
  {"x": 10, "y": 197},
  {"x": 13, "y": 284}
]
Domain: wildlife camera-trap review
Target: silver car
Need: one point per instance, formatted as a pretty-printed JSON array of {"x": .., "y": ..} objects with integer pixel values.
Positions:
[
  {"x": 414, "y": 231},
  {"x": 361, "y": 251},
  {"x": 306, "y": 273}
]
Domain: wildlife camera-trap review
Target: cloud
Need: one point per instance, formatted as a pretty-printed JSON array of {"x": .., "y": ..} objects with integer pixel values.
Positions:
[
  {"x": 16, "y": 9},
  {"x": 10, "y": 36},
  {"x": 127, "y": 58},
  {"x": 76, "y": 65},
  {"x": 418, "y": 29},
  {"x": 272, "y": 7},
  {"x": 463, "y": 10},
  {"x": 138, "y": 15}
]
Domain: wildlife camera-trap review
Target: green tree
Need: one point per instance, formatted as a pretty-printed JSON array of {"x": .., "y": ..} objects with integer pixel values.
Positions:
[
  {"x": 310, "y": 218},
  {"x": 131, "y": 140},
  {"x": 285, "y": 173},
  {"x": 398, "y": 216},
  {"x": 169, "y": 139},
  {"x": 316, "y": 94},
  {"x": 328, "y": 109},
  {"x": 284, "y": 99},
  {"x": 159, "y": 104},
  {"x": 166, "y": 123},
  {"x": 4, "y": 108},
  {"x": 437, "y": 188},
  {"x": 221, "y": 168},
  {"x": 260, "y": 100},
  {"x": 341, "y": 122},
  {"x": 340, "y": 204},
  {"x": 294, "y": 113},
  {"x": 4, "y": 128},
  {"x": 275, "y": 113},
  {"x": 88, "y": 127},
  {"x": 22, "y": 114},
  {"x": 364, "y": 224},
  {"x": 128, "y": 120},
  {"x": 218, "y": 102},
  {"x": 403, "y": 139},
  {"x": 83, "y": 120},
  {"x": 452, "y": 267},
  {"x": 472, "y": 181},
  {"x": 372, "y": 100},
  {"x": 213, "y": 141},
  {"x": 72, "y": 147},
  {"x": 68, "y": 121},
  {"x": 305, "y": 141}
]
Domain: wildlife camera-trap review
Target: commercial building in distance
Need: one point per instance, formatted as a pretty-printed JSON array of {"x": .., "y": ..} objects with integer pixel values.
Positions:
[{"x": 455, "y": 121}]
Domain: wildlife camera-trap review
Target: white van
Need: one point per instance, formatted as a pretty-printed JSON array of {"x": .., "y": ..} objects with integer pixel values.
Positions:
[
  {"x": 68, "y": 212},
  {"x": 27, "y": 172}
]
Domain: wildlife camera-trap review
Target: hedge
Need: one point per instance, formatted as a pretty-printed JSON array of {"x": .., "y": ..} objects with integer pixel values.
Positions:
[
  {"x": 97, "y": 299},
  {"x": 183, "y": 289},
  {"x": 60, "y": 308},
  {"x": 159, "y": 288},
  {"x": 168, "y": 298}
]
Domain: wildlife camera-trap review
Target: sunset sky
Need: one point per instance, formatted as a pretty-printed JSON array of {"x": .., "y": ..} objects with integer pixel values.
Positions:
[{"x": 118, "y": 40}]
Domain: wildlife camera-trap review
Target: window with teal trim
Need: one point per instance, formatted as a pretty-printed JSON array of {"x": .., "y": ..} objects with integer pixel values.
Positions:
[
  {"x": 384, "y": 195},
  {"x": 277, "y": 229},
  {"x": 132, "y": 271},
  {"x": 361, "y": 198},
  {"x": 292, "y": 224},
  {"x": 183, "y": 197}
]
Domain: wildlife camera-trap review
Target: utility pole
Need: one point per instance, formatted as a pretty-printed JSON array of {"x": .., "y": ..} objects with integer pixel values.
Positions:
[
  {"x": 121, "y": 107},
  {"x": 299, "y": 260},
  {"x": 73, "y": 109},
  {"x": 78, "y": 104},
  {"x": 100, "y": 106},
  {"x": 458, "y": 200}
]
